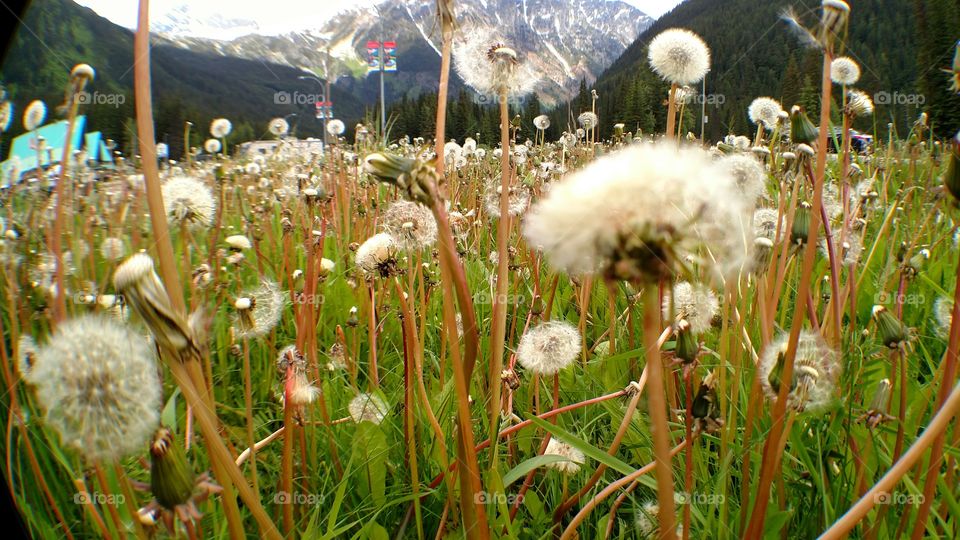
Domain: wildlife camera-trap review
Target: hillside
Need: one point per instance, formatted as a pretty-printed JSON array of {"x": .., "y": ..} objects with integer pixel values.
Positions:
[
  {"x": 899, "y": 52},
  {"x": 187, "y": 85}
]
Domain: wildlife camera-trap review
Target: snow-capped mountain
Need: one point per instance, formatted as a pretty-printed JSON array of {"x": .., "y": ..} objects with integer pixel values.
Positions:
[{"x": 568, "y": 40}]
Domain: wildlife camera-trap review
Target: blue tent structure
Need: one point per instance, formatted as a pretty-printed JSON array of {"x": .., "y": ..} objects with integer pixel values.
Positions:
[{"x": 23, "y": 156}]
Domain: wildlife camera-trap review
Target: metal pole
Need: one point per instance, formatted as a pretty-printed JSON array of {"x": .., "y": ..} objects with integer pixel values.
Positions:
[
  {"x": 383, "y": 106},
  {"x": 703, "y": 108}
]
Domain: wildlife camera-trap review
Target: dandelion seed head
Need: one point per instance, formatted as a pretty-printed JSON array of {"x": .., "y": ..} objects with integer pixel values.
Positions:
[
  {"x": 816, "y": 369},
  {"x": 574, "y": 457},
  {"x": 766, "y": 111},
  {"x": 377, "y": 253},
  {"x": 34, "y": 115},
  {"x": 97, "y": 383},
  {"x": 489, "y": 66},
  {"x": 266, "y": 305},
  {"x": 278, "y": 127},
  {"x": 368, "y": 408},
  {"x": 411, "y": 224},
  {"x": 517, "y": 201},
  {"x": 220, "y": 128},
  {"x": 748, "y": 174},
  {"x": 943, "y": 314},
  {"x": 188, "y": 200},
  {"x": 549, "y": 347},
  {"x": 542, "y": 122},
  {"x": 695, "y": 303},
  {"x": 844, "y": 71},
  {"x": 679, "y": 56},
  {"x": 112, "y": 249},
  {"x": 588, "y": 120},
  {"x": 859, "y": 103},
  {"x": 644, "y": 213},
  {"x": 212, "y": 146}
]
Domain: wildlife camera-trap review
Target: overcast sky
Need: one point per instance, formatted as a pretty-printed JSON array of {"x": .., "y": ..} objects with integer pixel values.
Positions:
[{"x": 276, "y": 16}]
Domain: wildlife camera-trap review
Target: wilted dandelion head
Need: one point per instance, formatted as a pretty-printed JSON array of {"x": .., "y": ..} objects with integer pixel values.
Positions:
[
  {"x": 489, "y": 66},
  {"x": 644, "y": 213},
  {"x": 859, "y": 103},
  {"x": 574, "y": 458},
  {"x": 542, "y": 122},
  {"x": 518, "y": 199},
  {"x": 34, "y": 115},
  {"x": 748, "y": 174},
  {"x": 279, "y": 127},
  {"x": 549, "y": 347},
  {"x": 260, "y": 312},
  {"x": 411, "y": 224},
  {"x": 679, "y": 56},
  {"x": 220, "y": 128},
  {"x": 97, "y": 383},
  {"x": 816, "y": 369},
  {"x": 588, "y": 120},
  {"x": 188, "y": 200},
  {"x": 766, "y": 111},
  {"x": 83, "y": 71},
  {"x": 112, "y": 249},
  {"x": 377, "y": 255},
  {"x": 368, "y": 408},
  {"x": 695, "y": 303}
]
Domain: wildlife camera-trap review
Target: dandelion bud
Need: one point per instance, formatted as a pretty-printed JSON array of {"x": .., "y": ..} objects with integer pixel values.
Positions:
[
  {"x": 537, "y": 307},
  {"x": 881, "y": 397},
  {"x": 413, "y": 176},
  {"x": 801, "y": 224},
  {"x": 352, "y": 319},
  {"x": 802, "y": 130},
  {"x": 762, "y": 250},
  {"x": 171, "y": 478},
  {"x": 688, "y": 348},
  {"x": 891, "y": 331},
  {"x": 142, "y": 289},
  {"x": 915, "y": 264}
]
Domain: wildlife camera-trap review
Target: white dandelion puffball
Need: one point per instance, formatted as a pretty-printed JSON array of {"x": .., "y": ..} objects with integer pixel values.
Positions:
[
  {"x": 368, "y": 408},
  {"x": 679, "y": 56},
  {"x": 112, "y": 249},
  {"x": 574, "y": 457},
  {"x": 549, "y": 347},
  {"x": 696, "y": 304},
  {"x": 188, "y": 200},
  {"x": 220, "y": 128},
  {"x": 542, "y": 122},
  {"x": 748, "y": 175},
  {"x": 261, "y": 312},
  {"x": 83, "y": 71},
  {"x": 487, "y": 64},
  {"x": 279, "y": 127},
  {"x": 336, "y": 127},
  {"x": 845, "y": 71},
  {"x": 34, "y": 115},
  {"x": 238, "y": 242},
  {"x": 644, "y": 213},
  {"x": 411, "y": 224},
  {"x": 943, "y": 313},
  {"x": 816, "y": 368},
  {"x": 6, "y": 115},
  {"x": 212, "y": 146},
  {"x": 518, "y": 199},
  {"x": 97, "y": 383},
  {"x": 766, "y": 111},
  {"x": 376, "y": 251}
]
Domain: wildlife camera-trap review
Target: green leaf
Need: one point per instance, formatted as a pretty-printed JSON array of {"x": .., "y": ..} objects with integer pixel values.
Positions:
[
  {"x": 522, "y": 469},
  {"x": 370, "y": 449},
  {"x": 169, "y": 415}
]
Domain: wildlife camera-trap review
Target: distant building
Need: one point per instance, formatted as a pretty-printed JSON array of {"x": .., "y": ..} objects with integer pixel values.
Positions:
[
  {"x": 45, "y": 146},
  {"x": 268, "y": 148}
]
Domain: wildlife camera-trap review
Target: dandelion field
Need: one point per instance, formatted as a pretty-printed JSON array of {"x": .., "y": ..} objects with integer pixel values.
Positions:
[{"x": 523, "y": 338}]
